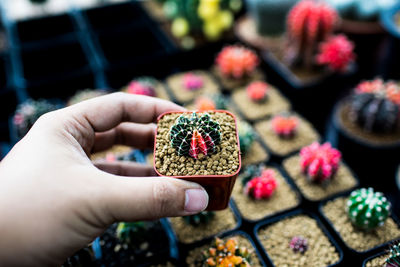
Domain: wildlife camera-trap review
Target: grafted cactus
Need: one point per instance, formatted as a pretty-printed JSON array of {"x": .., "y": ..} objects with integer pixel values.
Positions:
[
  {"x": 210, "y": 102},
  {"x": 237, "y": 61},
  {"x": 249, "y": 172},
  {"x": 285, "y": 125},
  {"x": 257, "y": 91},
  {"x": 367, "y": 209},
  {"x": 375, "y": 106},
  {"x": 319, "y": 162},
  {"x": 262, "y": 187},
  {"x": 195, "y": 135},
  {"x": 222, "y": 254},
  {"x": 309, "y": 22},
  {"x": 200, "y": 218},
  {"x": 142, "y": 86},
  {"x": 192, "y": 81}
]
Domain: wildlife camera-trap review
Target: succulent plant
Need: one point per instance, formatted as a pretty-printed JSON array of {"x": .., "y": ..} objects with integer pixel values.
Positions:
[
  {"x": 211, "y": 102},
  {"x": 246, "y": 136},
  {"x": 309, "y": 22},
  {"x": 85, "y": 95},
  {"x": 285, "y": 125},
  {"x": 142, "y": 86},
  {"x": 336, "y": 53},
  {"x": 192, "y": 81},
  {"x": 195, "y": 135},
  {"x": 29, "y": 112},
  {"x": 298, "y": 244},
  {"x": 367, "y": 209},
  {"x": 200, "y": 218},
  {"x": 237, "y": 61},
  {"x": 319, "y": 162},
  {"x": 257, "y": 91},
  {"x": 249, "y": 172},
  {"x": 127, "y": 231},
  {"x": 394, "y": 256},
  {"x": 262, "y": 187},
  {"x": 364, "y": 10},
  {"x": 375, "y": 106},
  {"x": 227, "y": 254}
]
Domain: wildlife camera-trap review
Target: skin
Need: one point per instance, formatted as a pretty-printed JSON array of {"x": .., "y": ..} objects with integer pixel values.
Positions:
[{"x": 54, "y": 200}]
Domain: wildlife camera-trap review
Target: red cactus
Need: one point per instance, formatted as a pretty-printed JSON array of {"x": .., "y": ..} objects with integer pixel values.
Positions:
[
  {"x": 370, "y": 86},
  {"x": 257, "y": 91},
  {"x": 308, "y": 23},
  {"x": 237, "y": 61},
  {"x": 262, "y": 187},
  {"x": 192, "y": 81},
  {"x": 205, "y": 103},
  {"x": 139, "y": 87},
  {"x": 390, "y": 90},
  {"x": 284, "y": 126},
  {"x": 319, "y": 162},
  {"x": 393, "y": 93},
  {"x": 336, "y": 52}
]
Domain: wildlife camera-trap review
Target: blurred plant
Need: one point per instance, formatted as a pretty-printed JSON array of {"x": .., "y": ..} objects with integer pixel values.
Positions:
[
  {"x": 262, "y": 187},
  {"x": 394, "y": 257},
  {"x": 192, "y": 81},
  {"x": 211, "y": 102},
  {"x": 285, "y": 125},
  {"x": 257, "y": 91},
  {"x": 227, "y": 254},
  {"x": 203, "y": 217},
  {"x": 298, "y": 244},
  {"x": 236, "y": 61},
  {"x": 142, "y": 86},
  {"x": 246, "y": 136},
  {"x": 249, "y": 172}
]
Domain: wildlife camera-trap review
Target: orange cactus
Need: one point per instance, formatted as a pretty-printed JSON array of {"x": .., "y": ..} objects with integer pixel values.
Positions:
[
  {"x": 237, "y": 61},
  {"x": 204, "y": 104},
  {"x": 393, "y": 93},
  {"x": 227, "y": 254},
  {"x": 257, "y": 91},
  {"x": 285, "y": 126}
]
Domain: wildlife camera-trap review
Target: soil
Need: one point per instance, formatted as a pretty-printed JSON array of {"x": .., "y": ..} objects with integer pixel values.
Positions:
[
  {"x": 283, "y": 198},
  {"x": 356, "y": 239},
  {"x": 342, "y": 181},
  {"x": 230, "y": 84},
  {"x": 377, "y": 262},
  {"x": 274, "y": 103},
  {"x": 223, "y": 221},
  {"x": 276, "y": 238},
  {"x": 256, "y": 154},
  {"x": 195, "y": 257},
  {"x": 116, "y": 150},
  {"x": 359, "y": 133},
  {"x": 225, "y": 161},
  {"x": 304, "y": 136},
  {"x": 161, "y": 91},
  {"x": 181, "y": 94}
]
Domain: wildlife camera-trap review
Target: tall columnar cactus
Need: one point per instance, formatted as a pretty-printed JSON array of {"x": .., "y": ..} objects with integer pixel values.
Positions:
[
  {"x": 237, "y": 61},
  {"x": 394, "y": 257},
  {"x": 319, "y": 162},
  {"x": 309, "y": 22},
  {"x": 257, "y": 91},
  {"x": 200, "y": 218},
  {"x": 29, "y": 112},
  {"x": 367, "y": 209},
  {"x": 246, "y": 136},
  {"x": 262, "y": 187},
  {"x": 375, "y": 106},
  {"x": 195, "y": 135},
  {"x": 298, "y": 244},
  {"x": 192, "y": 81},
  {"x": 142, "y": 86},
  {"x": 227, "y": 254},
  {"x": 336, "y": 53},
  {"x": 285, "y": 125}
]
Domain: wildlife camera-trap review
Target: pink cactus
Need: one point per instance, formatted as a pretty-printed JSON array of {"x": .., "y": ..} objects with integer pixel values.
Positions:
[
  {"x": 319, "y": 162},
  {"x": 262, "y": 187},
  {"x": 285, "y": 126},
  {"x": 298, "y": 244},
  {"x": 257, "y": 91},
  {"x": 337, "y": 53},
  {"x": 192, "y": 81},
  {"x": 389, "y": 90},
  {"x": 139, "y": 87},
  {"x": 237, "y": 61}
]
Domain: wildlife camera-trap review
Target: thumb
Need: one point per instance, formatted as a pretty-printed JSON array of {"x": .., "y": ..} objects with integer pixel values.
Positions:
[{"x": 148, "y": 198}]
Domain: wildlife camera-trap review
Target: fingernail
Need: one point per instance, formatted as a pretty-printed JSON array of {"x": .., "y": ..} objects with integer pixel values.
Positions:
[{"x": 196, "y": 200}]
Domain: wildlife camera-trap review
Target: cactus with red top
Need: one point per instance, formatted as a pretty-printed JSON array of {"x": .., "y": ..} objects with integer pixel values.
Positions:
[
  {"x": 309, "y": 22},
  {"x": 142, "y": 86},
  {"x": 298, "y": 244},
  {"x": 227, "y": 253},
  {"x": 195, "y": 135},
  {"x": 262, "y": 187},
  {"x": 236, "y": 61},
  {"x": 285, "y": 125},
  {"x": 257, "y": 91},
  {"x": 375, "y": 106},
  {"x": 336, "y": 53},
  {"x": 319, "y": 162},
  {"x": 210, "y": 102},
  {"x": 192, "y": 81}
]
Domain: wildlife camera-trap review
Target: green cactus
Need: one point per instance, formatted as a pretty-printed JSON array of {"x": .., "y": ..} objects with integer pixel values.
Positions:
[
  {"x": 201, "y": 218},
  {"x": 246, "y": 136},
  {"x": 394, "y": 257},
  {"x": 250, "y": 172},
  {"x": 195, "y": 135},
  {"x": 367, "y": 209}
]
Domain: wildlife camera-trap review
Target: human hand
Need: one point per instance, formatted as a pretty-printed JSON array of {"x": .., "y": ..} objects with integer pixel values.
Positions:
[{"x": 53, "y": 200}]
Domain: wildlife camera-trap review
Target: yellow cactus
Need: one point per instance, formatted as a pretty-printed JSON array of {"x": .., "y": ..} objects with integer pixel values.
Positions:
[
  {"x": 227, "y": 254},
  {"x": 208, "y": 9},
  {"x": 180, "y": 27}
]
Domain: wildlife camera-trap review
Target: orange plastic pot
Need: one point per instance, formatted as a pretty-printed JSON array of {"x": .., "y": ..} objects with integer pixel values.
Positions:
[{"x": 218, "y": 187}]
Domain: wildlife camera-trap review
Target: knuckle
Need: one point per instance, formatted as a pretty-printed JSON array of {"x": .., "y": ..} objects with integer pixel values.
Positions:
[{"x": 163, "y": 194}]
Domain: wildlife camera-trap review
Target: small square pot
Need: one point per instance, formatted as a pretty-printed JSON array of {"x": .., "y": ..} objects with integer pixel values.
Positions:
[
  {"x": 358, "y": 241},
  {"x": 376, "y": 260},
  {"x": 252, "y": 111},
  {"x": 220, "y": 183},
  {"x": 343, "y": 181}
]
